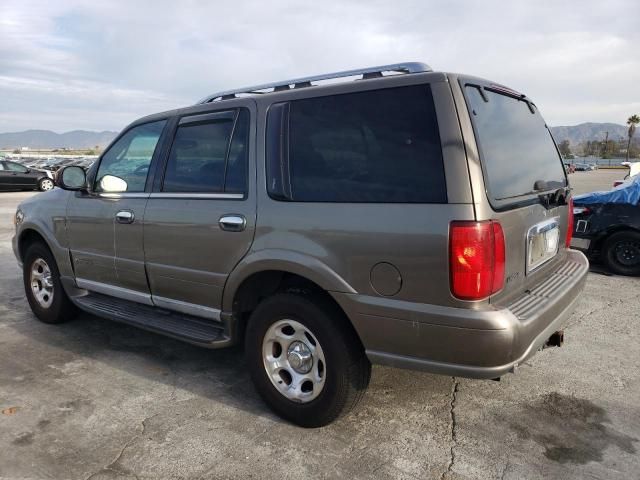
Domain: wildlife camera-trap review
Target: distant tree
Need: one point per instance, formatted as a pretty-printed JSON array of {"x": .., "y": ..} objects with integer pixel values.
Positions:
[
  {"x": 632, "y": 121},
  {"x": 565, "y": 148},
  {"x": 17, "y": 150}
]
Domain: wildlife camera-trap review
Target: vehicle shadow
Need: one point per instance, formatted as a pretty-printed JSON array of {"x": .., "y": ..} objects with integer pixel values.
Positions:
[
  {"x": 216, "y": 375},
  {"x": 219, "y": 375}
]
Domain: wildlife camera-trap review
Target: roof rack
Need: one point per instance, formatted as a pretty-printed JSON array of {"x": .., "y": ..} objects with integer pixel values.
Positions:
[{"x": 367, "y": 73}]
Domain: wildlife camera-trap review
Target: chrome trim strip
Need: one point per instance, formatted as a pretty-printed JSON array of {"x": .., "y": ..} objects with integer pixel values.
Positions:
[
  {"x": 123, "y": 195},
  {"x": 204, "y": 196},
  {"x": 188, "y": 308},
  {"x": 112, "y": 290}
]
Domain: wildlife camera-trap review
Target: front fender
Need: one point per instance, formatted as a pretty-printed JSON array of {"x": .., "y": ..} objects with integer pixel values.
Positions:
[
  {"x": 45, "y": 215},
  {"x": 284, "y": 261}
]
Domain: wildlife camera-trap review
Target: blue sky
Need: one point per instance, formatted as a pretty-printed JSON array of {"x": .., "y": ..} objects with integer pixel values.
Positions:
[{"x": 98, "y": 65}]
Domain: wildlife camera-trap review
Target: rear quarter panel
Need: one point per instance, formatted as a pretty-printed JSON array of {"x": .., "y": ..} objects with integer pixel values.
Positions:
[{"x": 350, "y": 239}]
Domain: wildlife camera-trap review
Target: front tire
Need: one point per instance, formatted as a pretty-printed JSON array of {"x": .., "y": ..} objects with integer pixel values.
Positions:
[
  {"x": 42, "y": 285},
  {"x": 622, "y": 253},
  {"x": 45, "y": 184},
  {"x": 305, "y": 359}
]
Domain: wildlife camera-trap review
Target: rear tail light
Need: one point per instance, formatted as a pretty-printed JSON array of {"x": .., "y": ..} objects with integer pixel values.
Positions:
[
  {"x": 567, "y": 242},
  {"x": 476, "y": 259}
]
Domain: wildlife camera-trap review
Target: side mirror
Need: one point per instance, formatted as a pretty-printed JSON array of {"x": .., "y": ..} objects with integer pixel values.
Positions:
[
  {"x": 72, "y": 178},
  {"x": 112, "y": 184}
]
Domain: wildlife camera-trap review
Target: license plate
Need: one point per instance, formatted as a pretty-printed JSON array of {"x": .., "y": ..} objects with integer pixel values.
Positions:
[{"x": 542, "y": 243}]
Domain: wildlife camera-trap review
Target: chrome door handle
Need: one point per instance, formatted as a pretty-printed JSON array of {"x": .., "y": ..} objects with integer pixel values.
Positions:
[
  {"x": 125, "y": 216},
  {"x": 232, "y": 223}
]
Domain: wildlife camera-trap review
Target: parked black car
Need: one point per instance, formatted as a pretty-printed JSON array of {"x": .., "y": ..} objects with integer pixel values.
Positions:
[
  {"x": 14, "y": 176},
  {"x": 607, "y": 227}
]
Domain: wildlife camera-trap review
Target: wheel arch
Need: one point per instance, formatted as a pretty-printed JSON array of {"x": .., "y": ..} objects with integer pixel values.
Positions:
[
  {"x": 27, "y": 237},
  {"x": 261, "y": 284}
]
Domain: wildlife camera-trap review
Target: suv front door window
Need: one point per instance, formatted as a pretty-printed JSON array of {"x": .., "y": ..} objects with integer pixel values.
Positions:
[{"x": 129, "y": 158}]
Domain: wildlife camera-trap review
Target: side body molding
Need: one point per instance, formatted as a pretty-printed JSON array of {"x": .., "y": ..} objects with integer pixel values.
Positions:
[{"x": 284, "y": 261}]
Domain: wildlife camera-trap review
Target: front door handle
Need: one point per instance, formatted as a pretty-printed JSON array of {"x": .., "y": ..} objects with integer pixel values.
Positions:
[
  {"x": 125, "y": 216},
  {"x": 232, "y": 223}
]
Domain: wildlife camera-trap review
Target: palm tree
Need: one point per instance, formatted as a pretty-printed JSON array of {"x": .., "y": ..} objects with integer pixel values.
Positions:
[{"x": 632, "y": 121}]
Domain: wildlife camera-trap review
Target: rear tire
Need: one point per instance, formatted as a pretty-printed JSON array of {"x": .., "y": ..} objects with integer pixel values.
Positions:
[
  {"x": 621, "y": 253},
  {"x": 284, "y": 328},
  {"x": 45, "y": 294}
]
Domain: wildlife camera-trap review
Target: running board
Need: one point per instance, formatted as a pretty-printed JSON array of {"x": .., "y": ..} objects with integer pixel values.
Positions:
[{"x": 172, "y": 324}]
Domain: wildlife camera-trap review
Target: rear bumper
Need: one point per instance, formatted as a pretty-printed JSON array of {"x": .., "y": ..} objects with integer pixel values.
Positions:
[{"x": 466, "y": 342}]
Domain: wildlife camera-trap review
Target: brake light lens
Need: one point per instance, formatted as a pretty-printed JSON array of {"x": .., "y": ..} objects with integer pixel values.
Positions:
[
  {"x": 567, "y": 242},
  {"x": 476, "y": 259}
]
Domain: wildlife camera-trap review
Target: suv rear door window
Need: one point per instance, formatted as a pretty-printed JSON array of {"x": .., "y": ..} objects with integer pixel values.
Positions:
[
  {"x": 204, "y": 157},
  {"x": 516, "y": 147},
  {"x": 379, "y": 146}
]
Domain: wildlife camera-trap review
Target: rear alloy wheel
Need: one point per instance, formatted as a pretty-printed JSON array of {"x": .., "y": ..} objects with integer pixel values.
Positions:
[
  {"x": 45, "y": 184},
  {"x": 622, "y": 253},
  {"x": 305, "y": 359}
]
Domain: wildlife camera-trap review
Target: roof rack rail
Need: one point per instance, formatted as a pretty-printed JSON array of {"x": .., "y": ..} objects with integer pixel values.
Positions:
[{"x": 367, "y": 73}]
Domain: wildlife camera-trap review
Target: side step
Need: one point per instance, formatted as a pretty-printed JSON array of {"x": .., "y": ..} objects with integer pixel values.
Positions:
[{"x": 197, "y": 331}]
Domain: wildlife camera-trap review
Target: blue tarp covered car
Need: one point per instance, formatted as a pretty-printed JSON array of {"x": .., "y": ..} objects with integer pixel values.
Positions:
[
  {"x": 607, "y": 226},
  {"x": 626, "y": 193}
]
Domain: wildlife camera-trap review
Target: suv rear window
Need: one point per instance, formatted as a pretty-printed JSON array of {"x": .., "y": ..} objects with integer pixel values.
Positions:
[
  {"x": 379, "y": 146},
  {"x": 516, "y": 147}
]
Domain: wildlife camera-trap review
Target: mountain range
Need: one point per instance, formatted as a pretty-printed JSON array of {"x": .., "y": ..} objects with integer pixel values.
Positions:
[
  {"x": 49, "y": 139},
  {"x": 86, "y": 139},
  {"x": 589, "y": 131}
]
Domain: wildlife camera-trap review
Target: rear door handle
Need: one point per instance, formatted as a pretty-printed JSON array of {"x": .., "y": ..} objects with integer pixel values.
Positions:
[
  {"x": 125, "y": 216},
  {"x": 232, "y": 223}
]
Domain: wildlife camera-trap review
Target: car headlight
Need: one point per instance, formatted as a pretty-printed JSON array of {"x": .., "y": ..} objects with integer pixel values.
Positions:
[{"x": 18, "y": 218}]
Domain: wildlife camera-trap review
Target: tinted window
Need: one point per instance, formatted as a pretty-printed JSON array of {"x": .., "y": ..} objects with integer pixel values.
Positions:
[
  {"x": 203, "y": 156},
  {"x": 378, "y": 146},
  {"x": 16, "y": 167},
  {"x": 129, "y": 158},
  {"x": 516, "y": 147}
]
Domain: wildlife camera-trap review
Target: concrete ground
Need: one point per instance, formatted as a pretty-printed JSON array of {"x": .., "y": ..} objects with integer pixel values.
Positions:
[{"x": 95, "y": 399}]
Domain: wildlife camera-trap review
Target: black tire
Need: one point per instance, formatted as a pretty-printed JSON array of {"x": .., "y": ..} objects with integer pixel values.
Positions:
[
  {"x": 41, "y": 184},
  {"x": 61, "y": 308},
  {"x": 621, "y": 253},
  {"x": 347, "y": 368}
]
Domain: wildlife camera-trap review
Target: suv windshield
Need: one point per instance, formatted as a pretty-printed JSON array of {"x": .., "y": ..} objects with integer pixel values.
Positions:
[{"x": 516, "y": 148}]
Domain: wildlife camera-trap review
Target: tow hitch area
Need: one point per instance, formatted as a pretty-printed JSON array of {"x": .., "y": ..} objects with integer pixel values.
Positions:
[{"x": 555, "y": 340}]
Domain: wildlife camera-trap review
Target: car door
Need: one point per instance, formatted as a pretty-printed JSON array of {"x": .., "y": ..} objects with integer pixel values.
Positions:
[
  {"x": 200, "y": 218},
  {"x": 105, "y": 223},
  {"x": 4, "y": 177},
  {"x": 18, "y": 176}
]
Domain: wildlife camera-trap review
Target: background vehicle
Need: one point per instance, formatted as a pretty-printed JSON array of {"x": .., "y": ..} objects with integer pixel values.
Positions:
[
  {"x": 379, "y": 220},
  {"x": 607, "y": 226},
  {"x": 14, "y": 176},
  {"x": 584, "y": 167}
]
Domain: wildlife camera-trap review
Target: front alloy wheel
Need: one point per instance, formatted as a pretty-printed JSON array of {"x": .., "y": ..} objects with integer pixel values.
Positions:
[
  {"x": 41, "y": 283},
  {"x": 43, "y": 287}
]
